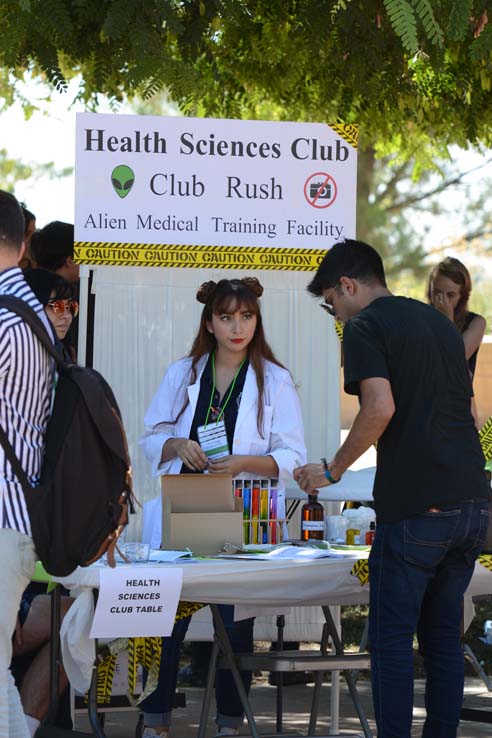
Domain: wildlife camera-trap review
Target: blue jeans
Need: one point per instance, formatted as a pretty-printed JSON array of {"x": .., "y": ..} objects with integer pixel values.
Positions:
[
  {"x": 419, "y": 569},
  {"x": 158, "y": 706}
]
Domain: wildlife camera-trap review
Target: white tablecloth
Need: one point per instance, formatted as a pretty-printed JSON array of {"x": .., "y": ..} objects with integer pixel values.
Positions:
[{"x": 257, "y": 584}]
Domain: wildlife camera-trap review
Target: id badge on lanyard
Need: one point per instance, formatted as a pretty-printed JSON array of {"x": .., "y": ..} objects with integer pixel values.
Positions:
[
  {"x": 212, "y": 436},
  {"x": 213, "y": 440}
]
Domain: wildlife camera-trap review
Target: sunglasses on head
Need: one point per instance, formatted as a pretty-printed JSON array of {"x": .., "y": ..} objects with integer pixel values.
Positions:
[
  {"x": 60, "y": 307},
  {"x": 328, "y": 308}
]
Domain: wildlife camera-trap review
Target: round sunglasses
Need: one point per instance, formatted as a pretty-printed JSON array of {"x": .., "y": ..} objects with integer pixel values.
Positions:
[{"x": 60, "y": 307}]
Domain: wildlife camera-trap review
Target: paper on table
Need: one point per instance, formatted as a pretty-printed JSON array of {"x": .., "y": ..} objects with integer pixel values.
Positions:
[
  {"x": 167, "y": 556},
  {"x": 289, "y": 552},
  {"x": 302, "y": 552}
]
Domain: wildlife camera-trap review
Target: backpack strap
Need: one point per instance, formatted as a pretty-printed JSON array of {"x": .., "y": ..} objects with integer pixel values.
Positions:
[
  {"x": 14, "y": 461},
  {"x": 23, "y": 310}
]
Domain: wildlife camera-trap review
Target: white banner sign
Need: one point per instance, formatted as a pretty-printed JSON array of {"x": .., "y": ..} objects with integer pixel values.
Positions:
[
  {"x": 174, "y": 191},
  {"x": 137, "y": 601}
]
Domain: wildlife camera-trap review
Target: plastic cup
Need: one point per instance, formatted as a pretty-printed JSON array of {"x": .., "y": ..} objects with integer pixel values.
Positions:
[
  {"x": 336, "y": 528},
  {"x": 136, "y": 552}
]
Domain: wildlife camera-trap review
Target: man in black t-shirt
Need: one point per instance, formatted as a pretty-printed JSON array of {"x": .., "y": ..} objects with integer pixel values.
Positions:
[{"x": 407, "y": 364}]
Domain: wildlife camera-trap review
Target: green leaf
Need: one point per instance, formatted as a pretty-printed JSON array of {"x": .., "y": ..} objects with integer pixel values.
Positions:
[
  {"x": 481, "y": 47},
  {"x": 403, "y": 20},
  {"x": 426, "y": 15},
  {"x": 459, "y": 19},
  {"x": 119, "y": 18}
]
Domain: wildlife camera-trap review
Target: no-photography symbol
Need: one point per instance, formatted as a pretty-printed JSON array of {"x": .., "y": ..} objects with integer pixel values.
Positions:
[{"x": 320, "y": 190}]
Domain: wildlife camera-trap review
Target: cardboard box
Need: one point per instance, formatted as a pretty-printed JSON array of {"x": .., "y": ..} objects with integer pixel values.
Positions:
[
  {"x": 198, "y": 492},
  {"x": 200, "y": 512}
]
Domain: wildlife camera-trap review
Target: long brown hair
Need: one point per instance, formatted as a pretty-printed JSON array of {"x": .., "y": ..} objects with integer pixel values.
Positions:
[
  {"x": 227, "y": 296},
  {"x": 457, "y": 272}
]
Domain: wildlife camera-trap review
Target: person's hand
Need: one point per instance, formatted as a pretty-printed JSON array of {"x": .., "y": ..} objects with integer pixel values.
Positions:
[
  {"x": 441, "y": 302},
  {"x": 310, "y": 476},
  {"x": 191, "y": 454},
  {"x": 226, "y": 465}
]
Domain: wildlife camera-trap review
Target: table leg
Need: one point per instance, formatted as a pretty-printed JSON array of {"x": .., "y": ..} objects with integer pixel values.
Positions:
[
  {"x": 54, "y": 655},
  {"x": 207, "y": 697},
  {"x": 337, "y": 643},
  {"x": 224, "y": 645},
  {"x": 280, "y": 675},
  {"x": 94, "y": 721},
  {"x": 335, "y": 625},
  {"x": 318, "y": 683}
]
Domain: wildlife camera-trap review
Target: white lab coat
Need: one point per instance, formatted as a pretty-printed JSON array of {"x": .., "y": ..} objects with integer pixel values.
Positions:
[{"x": 283, "y": 430}]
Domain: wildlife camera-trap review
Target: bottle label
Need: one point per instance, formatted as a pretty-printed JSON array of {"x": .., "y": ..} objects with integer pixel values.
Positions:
[{"x": 313, "y": 525}]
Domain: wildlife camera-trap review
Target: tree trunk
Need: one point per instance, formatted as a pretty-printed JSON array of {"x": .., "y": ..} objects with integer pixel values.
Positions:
[{"x": 365, "y": 184}]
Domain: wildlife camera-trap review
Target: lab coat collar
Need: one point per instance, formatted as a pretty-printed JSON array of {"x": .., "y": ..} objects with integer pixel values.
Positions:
[
  {"x": 248, "y": 398},
  {"x": 194, "y": 389}
]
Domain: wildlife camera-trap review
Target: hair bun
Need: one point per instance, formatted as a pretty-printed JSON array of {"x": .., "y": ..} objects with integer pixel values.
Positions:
[
  {"x": 205, "y": 291},
  {"x": 253, "y": 284}
]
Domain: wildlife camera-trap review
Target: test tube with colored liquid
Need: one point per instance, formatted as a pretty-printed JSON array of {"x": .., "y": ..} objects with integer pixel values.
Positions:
[
  {"x": 264, "y": 485},
  {"x": 255, "y": 511},
  {"x": 273, "y": 511},
  {"x": 238, "y": 488},
  {"x": 247, "y": 510}
]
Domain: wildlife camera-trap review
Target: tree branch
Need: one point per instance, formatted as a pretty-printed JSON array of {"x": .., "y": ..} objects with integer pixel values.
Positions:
[
  {"x": 460, "y": 243},
  {"x": 409, "y": 201},
  {"x": 390, "y": 186}
]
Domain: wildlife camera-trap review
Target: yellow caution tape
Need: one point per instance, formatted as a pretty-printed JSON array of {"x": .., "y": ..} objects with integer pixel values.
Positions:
[
  {"x": 350, "y": 133},
  {"x": 198, "y": 257},
  {"x": 485, "y": 436},
  {"x": 145, "y": 652},
  {"x": 486, "y": 560},
  {"x": 339, "y": 329},
  {"x": 105, "y": 674},
  {"x": 361, "y": 570}
]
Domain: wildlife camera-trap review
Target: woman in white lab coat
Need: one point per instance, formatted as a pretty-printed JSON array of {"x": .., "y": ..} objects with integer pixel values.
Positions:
[{"x": 232, "y": 376}]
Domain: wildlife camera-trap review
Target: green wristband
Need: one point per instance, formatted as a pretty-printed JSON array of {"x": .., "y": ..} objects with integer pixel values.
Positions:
[{"x": 328, "y": 475}]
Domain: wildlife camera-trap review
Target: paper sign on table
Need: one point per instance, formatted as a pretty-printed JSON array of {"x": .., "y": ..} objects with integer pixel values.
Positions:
[{"x": 137, "y": 601}]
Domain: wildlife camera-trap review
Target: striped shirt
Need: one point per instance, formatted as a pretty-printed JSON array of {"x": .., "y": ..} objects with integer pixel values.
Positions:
[{"x": 26, "y": 386}]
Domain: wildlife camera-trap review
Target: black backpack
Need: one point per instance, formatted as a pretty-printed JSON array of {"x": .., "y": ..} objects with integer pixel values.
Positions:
[{"x": 85, "y": 493}]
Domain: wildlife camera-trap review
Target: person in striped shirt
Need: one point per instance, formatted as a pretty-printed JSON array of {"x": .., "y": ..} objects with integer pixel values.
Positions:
[{"x": 26, "y": 386}]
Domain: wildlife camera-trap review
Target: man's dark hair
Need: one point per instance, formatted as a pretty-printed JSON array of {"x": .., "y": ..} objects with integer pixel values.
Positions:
[
  {"x": 350, "y": 258},
  {"x": 11, "y": 221},
  {"x": 28, "y": 216},
  {"x": 52, "y": 245}
]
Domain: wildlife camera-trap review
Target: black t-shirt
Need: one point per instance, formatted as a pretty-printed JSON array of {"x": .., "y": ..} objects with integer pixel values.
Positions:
[
  {"x": 429, "y": 455},
  {"x": 230, "y": 412}
]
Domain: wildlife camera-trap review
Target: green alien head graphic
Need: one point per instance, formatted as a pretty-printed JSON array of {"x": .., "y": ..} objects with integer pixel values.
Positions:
[{"x": 122, "y": 178}]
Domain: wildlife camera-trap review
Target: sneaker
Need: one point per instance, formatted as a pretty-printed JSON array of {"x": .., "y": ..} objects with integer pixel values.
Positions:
[
  {"x": 151, "y": 733},
  {"x": 226, "y": 731}
]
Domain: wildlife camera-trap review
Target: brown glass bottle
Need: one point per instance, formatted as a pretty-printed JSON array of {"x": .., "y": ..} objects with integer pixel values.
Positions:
[{"x": 312, "y": 519}]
